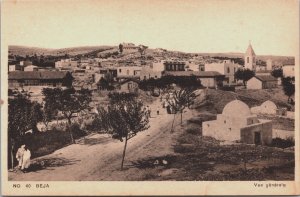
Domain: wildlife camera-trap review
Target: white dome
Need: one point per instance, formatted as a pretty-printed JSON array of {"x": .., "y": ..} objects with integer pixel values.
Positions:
[
  {"x": 269, "y": 104},
  {"x": 236, "y": 108},
  {"x": 268, "y": 107}
]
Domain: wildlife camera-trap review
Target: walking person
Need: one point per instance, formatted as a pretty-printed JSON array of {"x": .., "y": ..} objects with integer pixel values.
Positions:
[
  {"x": 19, "y": 155},
  {"x": 149, "y": 111},
  {"x": 157, "y": 111},
  {"x": 26, "y": 160}
]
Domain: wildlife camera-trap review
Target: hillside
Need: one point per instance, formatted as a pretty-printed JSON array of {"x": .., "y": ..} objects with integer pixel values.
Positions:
[
  {"x": 23, "y": 50},
  {"x": 103, "y": 51},
  {"x": 217, "y": 99}
]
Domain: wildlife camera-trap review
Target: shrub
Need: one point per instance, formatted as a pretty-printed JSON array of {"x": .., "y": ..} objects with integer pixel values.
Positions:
[
  {"x": 76, "y": 131},
  {"x": 193, "y": 129},
  {"x": 283, "y": 143}
]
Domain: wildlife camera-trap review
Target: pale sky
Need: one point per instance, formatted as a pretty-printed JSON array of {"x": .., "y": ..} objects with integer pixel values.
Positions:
[{"x": 183, "y": 25}]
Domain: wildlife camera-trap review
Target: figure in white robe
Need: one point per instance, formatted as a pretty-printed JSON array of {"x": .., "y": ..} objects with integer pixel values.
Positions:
[
  {"x": 26, "y": 159},
  {"x": 20, "y": 154}
]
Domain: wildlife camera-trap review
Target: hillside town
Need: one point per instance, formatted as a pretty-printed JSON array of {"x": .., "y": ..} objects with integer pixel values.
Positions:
[
  {"x": 239, "y": 104},
  {"x": 132, "y": 64}
]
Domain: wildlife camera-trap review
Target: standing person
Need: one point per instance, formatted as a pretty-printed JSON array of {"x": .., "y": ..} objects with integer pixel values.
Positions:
[
  {"x": 157, "y": 111},
  {"x": 149, "y": 111},
  {"x": 20, "y": 154},
  {"x": 26, "y": 160}
]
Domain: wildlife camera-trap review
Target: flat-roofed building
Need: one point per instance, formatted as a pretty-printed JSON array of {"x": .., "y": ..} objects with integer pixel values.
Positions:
[{"x": 227, "y": 68}]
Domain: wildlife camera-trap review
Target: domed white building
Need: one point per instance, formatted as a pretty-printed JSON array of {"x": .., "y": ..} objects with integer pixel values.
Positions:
[
  {"x": 267, "y": 107},
  {"x": 237, "y": 123}
]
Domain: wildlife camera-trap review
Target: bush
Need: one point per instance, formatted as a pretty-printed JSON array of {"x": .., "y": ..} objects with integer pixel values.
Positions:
[
  {"x": 43, "y": 143},
  {"x": 193, "y": 129},
  {"x": 283, "y": 143},
  {"x": 94, "y": 125},
  {"x": 76, "y": 131}
]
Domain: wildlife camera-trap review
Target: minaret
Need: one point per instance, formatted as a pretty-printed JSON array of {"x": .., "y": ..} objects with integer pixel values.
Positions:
[{"x": 250, "y": 58}]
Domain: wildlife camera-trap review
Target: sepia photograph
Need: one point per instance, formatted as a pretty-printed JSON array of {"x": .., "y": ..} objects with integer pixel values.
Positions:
[{"x": 160, "y": 95}]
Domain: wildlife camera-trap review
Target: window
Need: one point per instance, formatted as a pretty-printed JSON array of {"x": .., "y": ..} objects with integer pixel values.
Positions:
[
  {"x": 225, "y": 121},
  {"x": 247, "y": 59},
  {"x": 155, "y": 77},
  {"x": 120, "y": 70},
  {"x": 127, "y": 72},
  {"x": 228, "y": 70}
]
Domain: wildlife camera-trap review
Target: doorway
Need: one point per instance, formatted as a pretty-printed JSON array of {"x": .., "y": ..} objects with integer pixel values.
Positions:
[{"x": 257, "y": 138}]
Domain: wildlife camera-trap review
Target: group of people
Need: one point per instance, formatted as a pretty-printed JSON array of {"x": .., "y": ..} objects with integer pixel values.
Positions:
[{"x": 23, "y": 156}]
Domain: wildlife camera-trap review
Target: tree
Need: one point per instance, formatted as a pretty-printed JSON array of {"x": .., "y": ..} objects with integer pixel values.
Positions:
[
  {"x": 68, "y": 102},
  {"x": 179, "y": 100},
  {"x": 121, "y": 48},
  {"x": 288, "y": 87},
  {"x": 22, "y": 116},
  {"x": 123, "y": 119},
  {"x": 244, "y": 75},
  {"x": 164, "y": 83},
  {"x": 48, "y": 114},
  {"x": 277, "y": 73}
]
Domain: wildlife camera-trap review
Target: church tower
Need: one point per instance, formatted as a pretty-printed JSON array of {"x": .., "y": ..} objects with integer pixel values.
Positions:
[{"x": 250, "y": 58}]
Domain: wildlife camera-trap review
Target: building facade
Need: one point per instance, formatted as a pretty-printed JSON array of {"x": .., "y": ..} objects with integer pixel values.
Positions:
[
  {"x": 125, "y": 72},
  {"x": 288, "y": 70},
  {"x": 262, "y": 82},
  {"x": 237, "y": 124},
  {"x": 210, "y": 79},
  {"x": 227, "y": 68}
]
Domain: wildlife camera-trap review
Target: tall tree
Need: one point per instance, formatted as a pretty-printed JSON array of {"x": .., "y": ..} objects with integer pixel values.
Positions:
[
  {"x": 22, "y": 116},
  {"x": 68, "y": 102},
  {"x": 179, "y": 100},
  {"x": 123, "y": 119},
  {"x": 288, "y": 87},
  {"x": 120, "y": 48}
]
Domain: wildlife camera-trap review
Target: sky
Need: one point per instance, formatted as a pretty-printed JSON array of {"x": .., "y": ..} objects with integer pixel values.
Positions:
[{"x": 211, "y": 26}]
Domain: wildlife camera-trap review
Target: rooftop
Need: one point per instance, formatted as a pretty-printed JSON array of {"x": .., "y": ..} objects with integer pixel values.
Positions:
[
  {"x": 265, "y": 78},
  {"x": 193, "y": 73},
  {"x": 38, "y": 75}
]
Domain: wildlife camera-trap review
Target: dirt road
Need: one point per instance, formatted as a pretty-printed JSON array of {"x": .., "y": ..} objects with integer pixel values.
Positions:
[{"x": 98, "y": 156}]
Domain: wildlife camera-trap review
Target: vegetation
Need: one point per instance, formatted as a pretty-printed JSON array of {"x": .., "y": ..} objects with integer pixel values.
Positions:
[
  {"x": 120, "y": 48},
  {"x": 124, "y": 118},
  {"x": 244, "y": 75},
  {"x": 277, "y": 73},
  {"x": 68, "y": 102},
  {"x": 164, "y": 83},
  {"x": 106, "y": 82},
  {"x": 288, "y": 88}
]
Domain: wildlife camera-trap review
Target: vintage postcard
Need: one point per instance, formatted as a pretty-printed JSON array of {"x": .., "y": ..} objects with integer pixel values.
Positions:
[{"x": 149, "y": 97}]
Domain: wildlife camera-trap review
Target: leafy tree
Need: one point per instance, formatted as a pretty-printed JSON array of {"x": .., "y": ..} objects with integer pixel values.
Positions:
[
  {"x": 244, "y": 75},
  {"x": 106, "y": 82},
  {"x": 288, "y": 87},
  {"x": 68, "y": 102},
  {"x": 277, "y": 73},
  {"x": 179, "y": 100},
  {"x": 164, "y": 83},
  {"x": 124, "y": 119},
  {"x": 121, "y": 48},
  {"x": 22, "y": 116},
  {"x": 48, "y": 114}
]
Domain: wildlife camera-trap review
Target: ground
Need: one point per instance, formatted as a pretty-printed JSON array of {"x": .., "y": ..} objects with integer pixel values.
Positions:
[
  {"x": 98, "y": 156},
  {"x": 159, "y": 154}
]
